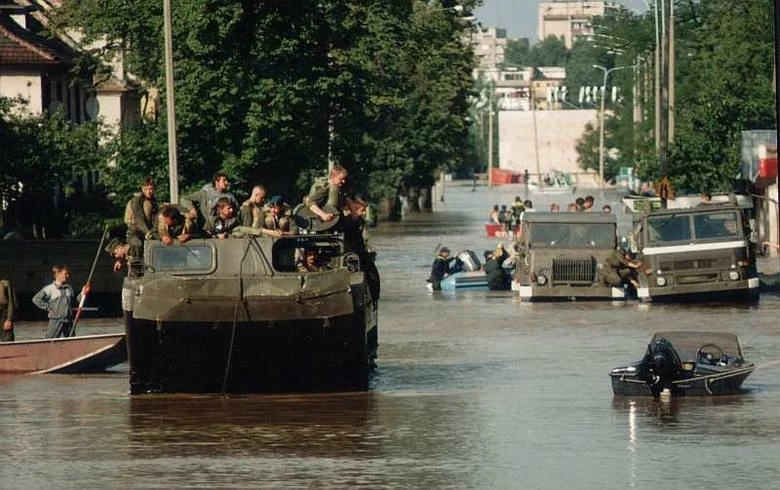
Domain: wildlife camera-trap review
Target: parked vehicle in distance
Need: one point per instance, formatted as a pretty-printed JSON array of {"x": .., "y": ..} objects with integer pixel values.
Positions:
[
  {"x": 560, "y": 255},
  {"x": 696, "y": 254},
  {"x": 685, "y": 364}
]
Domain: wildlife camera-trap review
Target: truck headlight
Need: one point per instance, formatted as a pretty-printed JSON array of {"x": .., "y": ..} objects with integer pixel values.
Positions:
[
  {"x": 733, "y": 275},
  {"x": 660, "y": 281},
  {"x": 541, "y": 279}
]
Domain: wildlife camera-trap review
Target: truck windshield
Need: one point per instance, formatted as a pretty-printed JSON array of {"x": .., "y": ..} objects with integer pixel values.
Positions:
[
  {"x": 600, "y": 235},
  {"x": 672, "y": 228},
  {"x": 716, "y": 225}
]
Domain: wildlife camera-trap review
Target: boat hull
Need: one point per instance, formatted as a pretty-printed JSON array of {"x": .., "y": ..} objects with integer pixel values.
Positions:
[
  {"x": 726, "y": 383},
  {"x": 65, "y": 355}
]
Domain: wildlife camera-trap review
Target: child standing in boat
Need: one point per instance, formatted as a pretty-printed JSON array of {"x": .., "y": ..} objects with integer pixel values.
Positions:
[{"x": 58, "y": 299}]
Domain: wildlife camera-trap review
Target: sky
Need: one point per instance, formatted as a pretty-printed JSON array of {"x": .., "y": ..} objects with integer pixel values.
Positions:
[{"x": 520, "y": 17}]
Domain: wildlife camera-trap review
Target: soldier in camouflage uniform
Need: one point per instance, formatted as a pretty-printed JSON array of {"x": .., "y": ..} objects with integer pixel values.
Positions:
[
  {"x": 173, "y": 225},
  {"x": 278, "y": 218},
  {"x": 253, "y": 210},
  {"x": 7, "y": 303},
  {"x": 125, "y": 253},
  {"x": 140, "y": 215},
  {"x": 203, "y": 203}
]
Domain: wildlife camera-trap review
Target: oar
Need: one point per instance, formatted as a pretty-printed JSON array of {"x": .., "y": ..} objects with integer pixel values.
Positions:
[{"x": 89, "y": 282}]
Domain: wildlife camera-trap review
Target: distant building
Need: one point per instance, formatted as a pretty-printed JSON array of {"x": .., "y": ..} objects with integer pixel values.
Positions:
[
  {"x": 515, "y": 86},
  {"x": 570, "y": 20},
  {"x": 489, "y": 45}
]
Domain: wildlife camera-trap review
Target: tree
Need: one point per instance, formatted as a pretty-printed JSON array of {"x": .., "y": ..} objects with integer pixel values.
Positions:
[
  {"x": 516, "y": 52},
  {"x": 43, "y": 161}
]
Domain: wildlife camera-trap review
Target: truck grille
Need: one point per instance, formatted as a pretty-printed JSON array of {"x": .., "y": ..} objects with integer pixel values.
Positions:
[
  {"x": 681, "y": 265},
  {"x": 574, "y": 271}
]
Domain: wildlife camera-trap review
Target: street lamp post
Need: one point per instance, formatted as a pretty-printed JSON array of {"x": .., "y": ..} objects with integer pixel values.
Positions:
[{"x": 601, "y": 119}]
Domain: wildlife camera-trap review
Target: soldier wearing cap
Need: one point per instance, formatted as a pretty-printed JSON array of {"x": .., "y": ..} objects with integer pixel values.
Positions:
[
  {"x": 440, "y": 268},
  {"x": 124, "y": 252},
  {"x": 278, "y": 219}
]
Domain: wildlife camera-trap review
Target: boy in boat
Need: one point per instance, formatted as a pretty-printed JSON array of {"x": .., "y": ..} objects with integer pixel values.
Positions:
[
  {"x": 58, "y": 299},
  {"x": 7, "y": 300}
]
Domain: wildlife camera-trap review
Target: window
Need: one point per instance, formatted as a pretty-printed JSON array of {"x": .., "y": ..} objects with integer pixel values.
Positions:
[
  {"x": 716, "y": 225},
  {"x": 672, "y": 228},
  {"x": 287, "y": 252},
  {"x": 183, "y": 259}
]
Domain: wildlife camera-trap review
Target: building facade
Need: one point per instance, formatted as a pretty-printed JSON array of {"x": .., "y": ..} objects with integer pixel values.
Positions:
[{"x": 570, "y": 20}]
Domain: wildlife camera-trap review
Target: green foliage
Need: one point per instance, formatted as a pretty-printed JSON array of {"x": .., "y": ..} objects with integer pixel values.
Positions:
[
  {"x": 550, "y": 51},
  {"x": 269, "y": 91},
  {"x": 516, "y": 52},
  {"x": 44, "y": 159},
  {"x": 724, "y": 53}
]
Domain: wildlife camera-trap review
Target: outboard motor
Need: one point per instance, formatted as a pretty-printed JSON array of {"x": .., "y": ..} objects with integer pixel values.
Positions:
[
  {"x": 469, "y": 260},
  {"x": 665, "y": 365}
]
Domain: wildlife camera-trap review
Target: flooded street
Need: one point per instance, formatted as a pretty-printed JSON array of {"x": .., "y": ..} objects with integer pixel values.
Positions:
[{"x": 473, "y": 390}]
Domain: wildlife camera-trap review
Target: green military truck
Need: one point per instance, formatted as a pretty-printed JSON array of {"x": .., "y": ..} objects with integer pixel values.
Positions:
[
  {"x": 560, "y": 256},
  {"x": 701, "y": 253}
]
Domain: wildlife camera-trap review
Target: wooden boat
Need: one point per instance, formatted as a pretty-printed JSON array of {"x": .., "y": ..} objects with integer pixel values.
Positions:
[
  {"x": 685, "y": 364},
  {"x": 64, "y": 355}
]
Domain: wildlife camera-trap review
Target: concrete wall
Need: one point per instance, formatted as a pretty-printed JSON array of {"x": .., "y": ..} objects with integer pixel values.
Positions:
[{"x": 558, "y": 132}]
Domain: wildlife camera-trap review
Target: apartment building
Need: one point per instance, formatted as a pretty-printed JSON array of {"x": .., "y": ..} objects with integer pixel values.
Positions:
[{"x": 570, "y": 20}]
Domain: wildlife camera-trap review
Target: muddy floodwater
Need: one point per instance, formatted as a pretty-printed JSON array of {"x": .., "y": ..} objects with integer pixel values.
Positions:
[{"x": 472, "y": 390}]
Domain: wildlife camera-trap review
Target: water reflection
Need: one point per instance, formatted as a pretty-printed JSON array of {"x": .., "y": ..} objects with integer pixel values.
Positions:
[{"x": 315, "y": 425}]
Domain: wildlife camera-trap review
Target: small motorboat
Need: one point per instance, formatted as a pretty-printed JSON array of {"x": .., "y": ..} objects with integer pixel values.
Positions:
[
  {"x": 64, "y": 355},
  {"x": 685, "y": 364}
]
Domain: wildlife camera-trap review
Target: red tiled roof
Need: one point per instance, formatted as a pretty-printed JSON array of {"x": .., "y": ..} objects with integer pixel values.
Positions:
[{"x": 19, "y": 46}]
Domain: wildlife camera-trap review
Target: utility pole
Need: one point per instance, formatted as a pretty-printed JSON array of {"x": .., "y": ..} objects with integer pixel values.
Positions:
[
  {"x": 777, "y": 108},
  {"x": 672, "y": 59},
  {"x": 536, "y": 132},
  {"x": 657, "y": 66},
  {"x": 490, "y": 134},
  {"x": 664, "y": 120},
  {"x": 173, "y": 175}
]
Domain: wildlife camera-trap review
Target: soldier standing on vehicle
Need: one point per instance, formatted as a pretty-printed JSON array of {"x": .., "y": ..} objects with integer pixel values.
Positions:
[
  {"x": 7, "y": 303},
  {"x": 140, "y": 213},
  {"x": 253, "y": 210},
  {"x": 58, "y": 299},
  {"x": 205, "y": 200}
]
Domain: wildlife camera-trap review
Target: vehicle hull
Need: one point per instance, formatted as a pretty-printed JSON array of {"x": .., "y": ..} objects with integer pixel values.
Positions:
[{"x": 331, "y": 354}]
